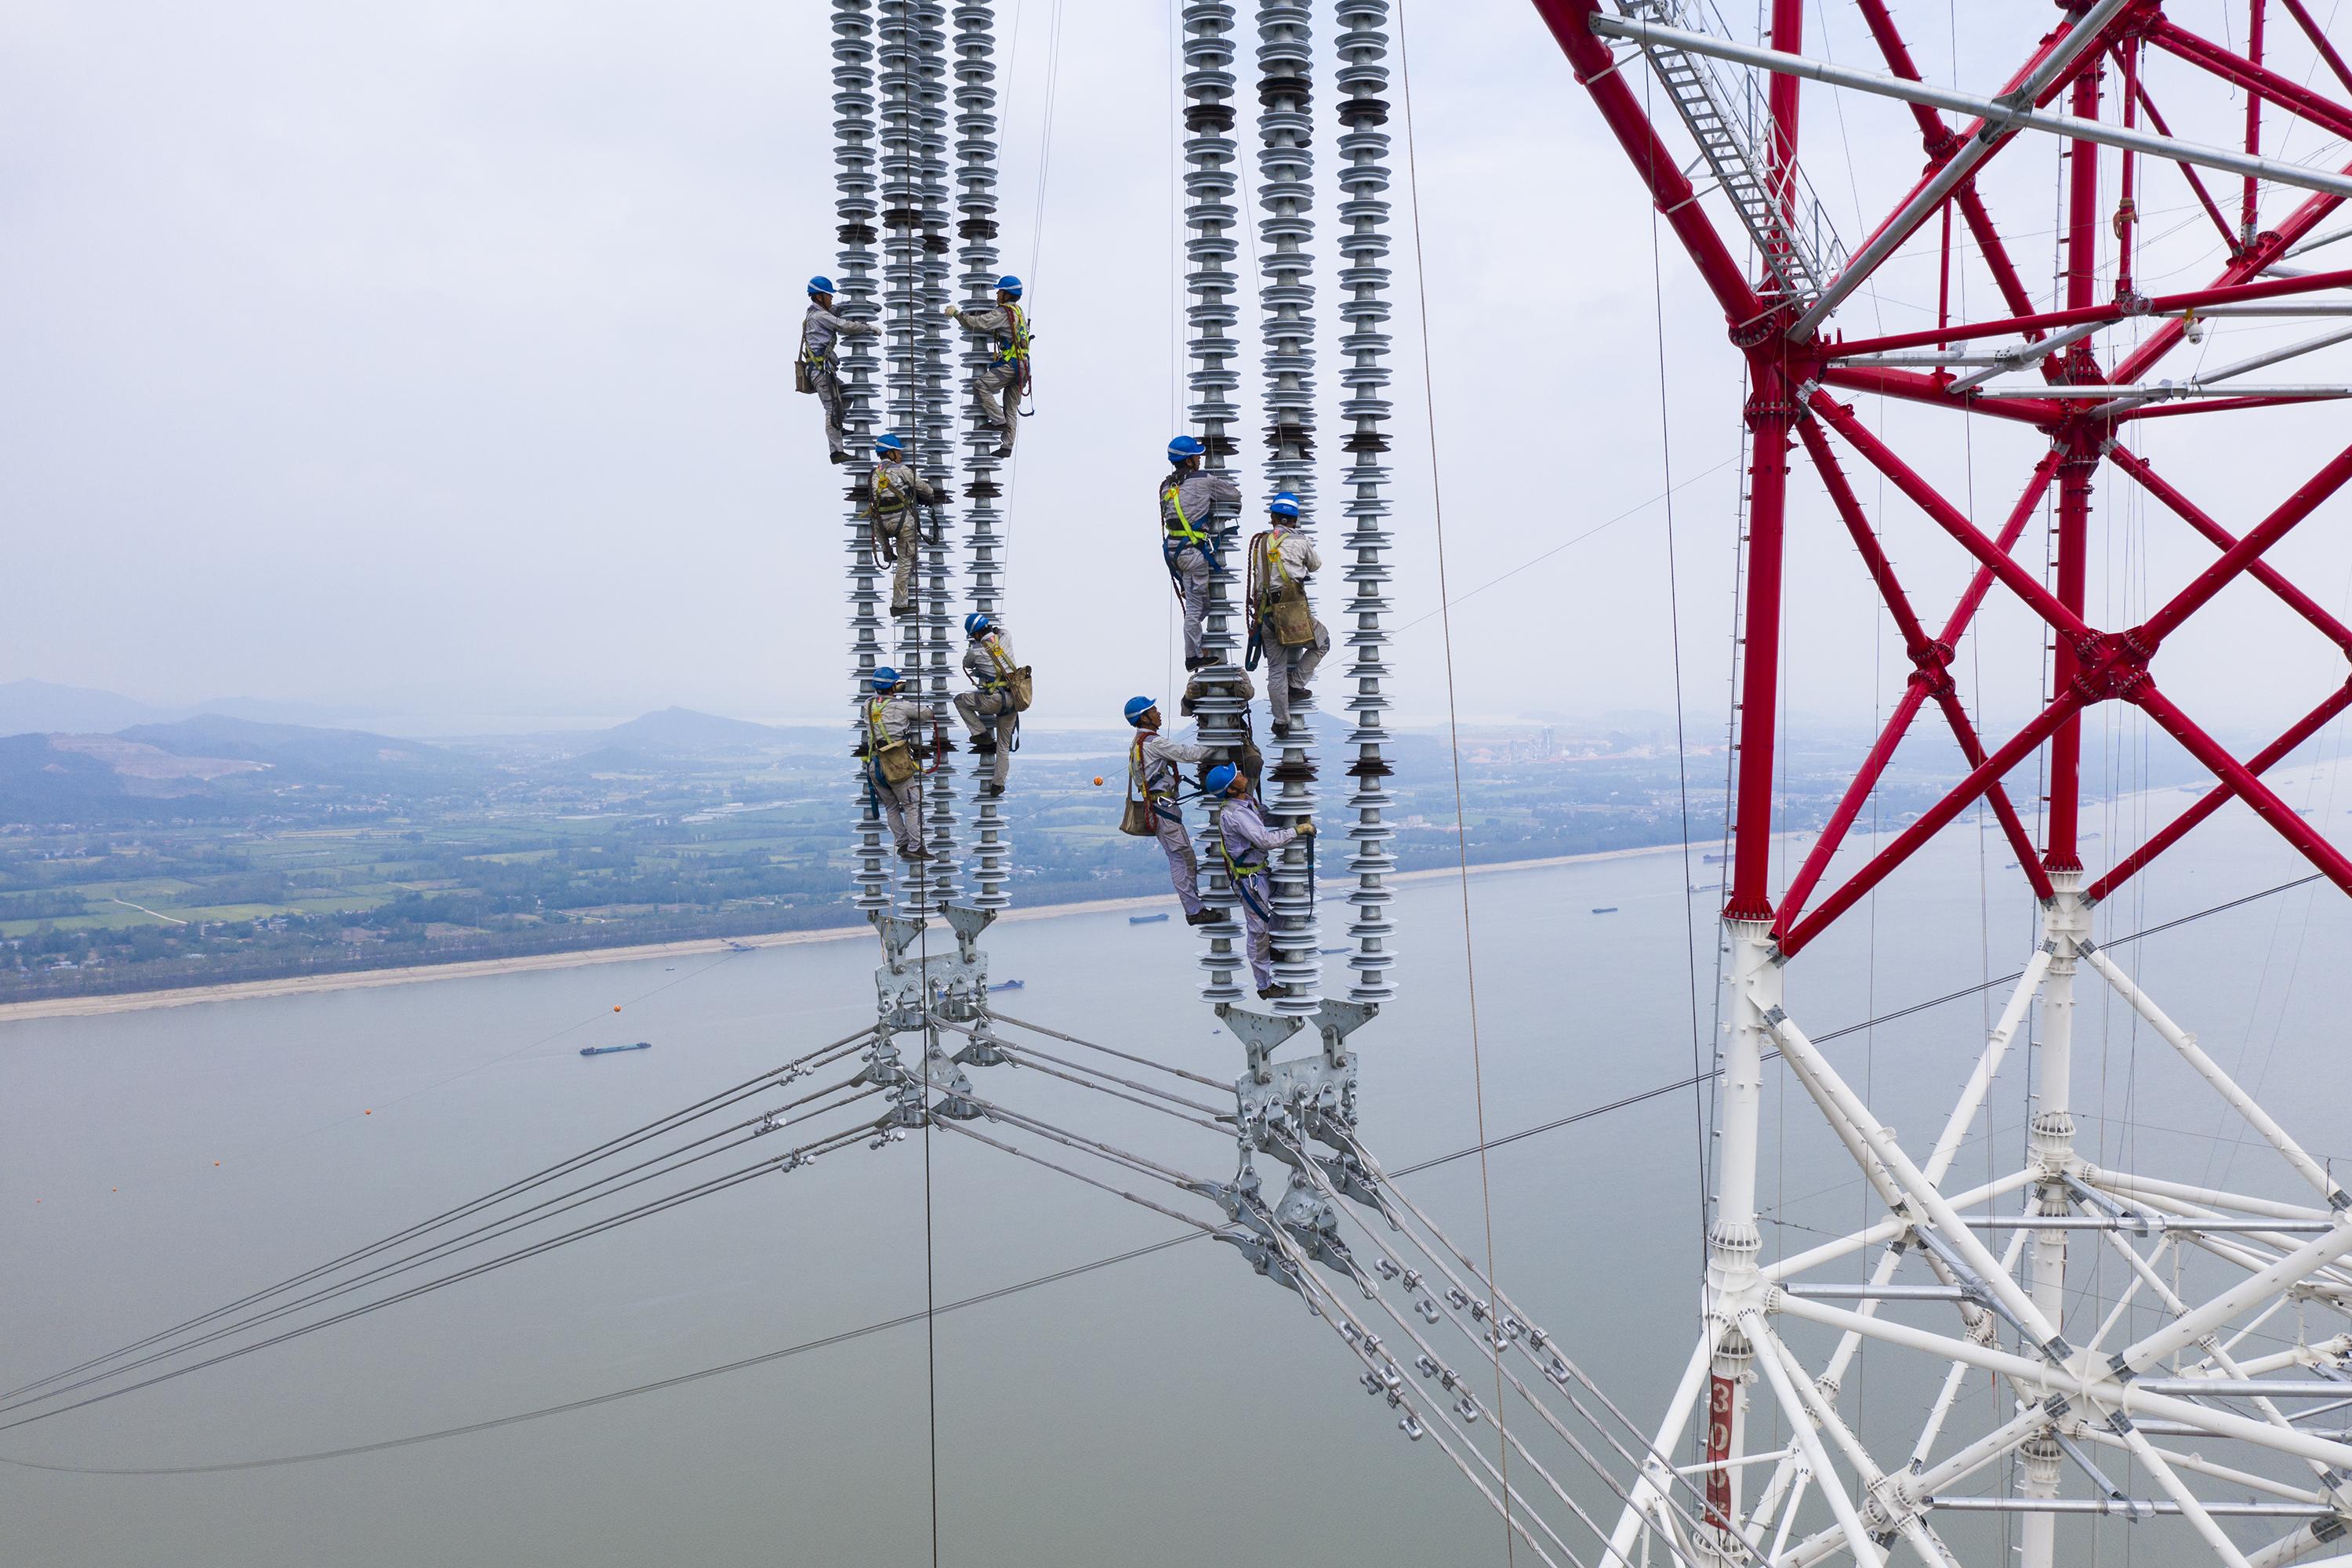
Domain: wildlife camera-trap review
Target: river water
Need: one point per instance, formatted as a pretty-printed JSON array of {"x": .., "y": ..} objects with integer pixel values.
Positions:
[{"x": 1171, "y": 1410}]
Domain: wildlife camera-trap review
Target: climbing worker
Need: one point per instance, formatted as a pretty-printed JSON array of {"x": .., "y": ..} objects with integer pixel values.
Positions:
[
  {"x": 1188, "y": 497},
  {"x": 818, "y": 369},
  {"x": 1247, "y": 841},
  {"x": 1282, "y": 624},
  {"x": 893, "y": 772},
  {"x": 896, "y": 493},
  {"x": 999, "y": 387},
  {"x": 1153, "y": 777},
  {"x": 991, "y": 714}
]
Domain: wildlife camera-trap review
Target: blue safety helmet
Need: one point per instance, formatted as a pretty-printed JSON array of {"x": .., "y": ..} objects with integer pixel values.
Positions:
[
  {"x": 1185, "y": 446},
  {"x": 888, "y": 443},
  {"x": 885, "y": 678},
  {"x": 1009, "y": 284},
  {"x": 820, "y": 284},
  {"x": 1221, "y": 778},
  {"x": 1136, "y": 707},
  {"x": 976, "y": 623},
  {"x": 1284, "y": 504}
]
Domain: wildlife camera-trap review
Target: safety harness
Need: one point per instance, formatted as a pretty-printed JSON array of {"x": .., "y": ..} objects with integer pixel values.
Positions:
[
  {"x": 1178, "y": 532},
  {"x": 1164, "y": 805},
  {"x": 1239, "y": 872}
]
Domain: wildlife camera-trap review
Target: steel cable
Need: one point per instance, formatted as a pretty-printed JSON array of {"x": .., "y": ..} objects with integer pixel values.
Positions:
[
  {"x": 463, "y": 1242},
  {"x": 800, "y": 1155},
  {"x": 560, "y": 1168}
]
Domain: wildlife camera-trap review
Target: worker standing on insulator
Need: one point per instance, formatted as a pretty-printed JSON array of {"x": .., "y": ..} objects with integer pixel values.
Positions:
[
  {"x": 991, "y": 714},
  {"x": 892, "y": 770},
  {"x": 897, "y": 494},
  {"x": 1282, "y": 624},
  {"x": 1245, "y": 841},
  {"x": 818, "y": 369},
  {"x": 999, "y": 387},
  {"x": 1188, "y": 497},
  {"x": 1154, "y": 778}
]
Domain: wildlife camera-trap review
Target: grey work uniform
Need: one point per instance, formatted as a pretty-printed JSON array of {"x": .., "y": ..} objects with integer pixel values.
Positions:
[
  {"x": 987, "y": 711},
  {"x": 897, "y": 489},
  {"x": 1186, "y": 502},
  {"x": 998, "y": 385},
  {"x": 821, "y": 330},
  {"x": 1249, "y": 843},
  {"x": 901, "y": 718},
  {"x": 1292, "y": 668},
  {"x": 1154, "y": 763}
]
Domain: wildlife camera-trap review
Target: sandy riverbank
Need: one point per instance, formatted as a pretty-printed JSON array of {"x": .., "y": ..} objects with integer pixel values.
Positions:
[{"x": 362, "y": 979}]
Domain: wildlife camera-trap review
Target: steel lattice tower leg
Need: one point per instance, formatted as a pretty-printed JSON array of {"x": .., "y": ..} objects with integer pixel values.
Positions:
[
  {"x": 976, "y": 130},
  {"x": 1212, "y": 222},
  {"x": 1364, "y": 178},
  {"x": 1286, "y": 160},
  {"x": 854, "y": 185},
  {"x": 935, "y": 445}
]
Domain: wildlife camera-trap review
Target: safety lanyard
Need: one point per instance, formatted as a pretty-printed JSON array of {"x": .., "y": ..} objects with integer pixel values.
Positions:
[{"x": 1174, "y": 497}]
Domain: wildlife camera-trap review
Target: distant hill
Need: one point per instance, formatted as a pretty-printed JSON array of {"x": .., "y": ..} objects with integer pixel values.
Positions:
[
  {"x": 41, "y": 707},
  {"x": 98, "y": 782},
  {"x": 299, "y": 753},
  {"x": 682, "y": 729}
]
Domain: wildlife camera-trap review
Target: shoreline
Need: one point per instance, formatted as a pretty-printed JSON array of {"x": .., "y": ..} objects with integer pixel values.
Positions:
[{"x": 478, "y": 968}]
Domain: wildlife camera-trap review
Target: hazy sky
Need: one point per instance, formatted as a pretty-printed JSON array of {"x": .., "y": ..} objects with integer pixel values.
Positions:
[{"x": 434, "y": 361}]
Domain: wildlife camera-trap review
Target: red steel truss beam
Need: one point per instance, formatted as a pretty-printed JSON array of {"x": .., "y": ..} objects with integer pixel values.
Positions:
[
  {"x": 2224, "y": 293},
  {"x": 2263, "y": 571},
  {"x": 2215, "y": 405},
  {"x": 2020, "y": 746},
  {"x": 2076, "y": 471},
  {"x": 1931, "y": 661},
  {"x": 2244, "y": 553},
  {"x": 2188, "y": 170},
  {"x": 1596, "y": 72},
  {"x": 1941, "y": 143},
  {"x": 1912, "y": 386},
  {"x": 2283, "y": 817},
  {"x": 2310, "y": 30},
  {"x": 2258, "y": 79},
  {"x": 1950, "y": 518},
  {"x": 2173, "y": 832},
  {"x": 1770, "y": 411}
]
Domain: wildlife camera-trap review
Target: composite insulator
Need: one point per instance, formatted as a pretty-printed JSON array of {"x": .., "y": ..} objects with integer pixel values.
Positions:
[
  {"x": 1287, "y": 298},
  {"x": 1363, "y": 175},
  {"x": 1212, "y": 290},
  {"x": 855, "y": 190},
  {"x": 934, "y": 441},
  {"x": 983, "y": 519}
]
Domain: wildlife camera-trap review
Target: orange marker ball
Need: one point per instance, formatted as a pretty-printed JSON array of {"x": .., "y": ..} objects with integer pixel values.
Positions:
[
  {"x": 616, "y": 1006},
  {"x": 1099, "y": 778}
]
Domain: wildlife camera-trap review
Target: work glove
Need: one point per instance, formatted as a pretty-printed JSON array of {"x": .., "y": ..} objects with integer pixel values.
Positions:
[
  {"x": 1306, "y": 830},
  {"x": 955, "y": 310}
]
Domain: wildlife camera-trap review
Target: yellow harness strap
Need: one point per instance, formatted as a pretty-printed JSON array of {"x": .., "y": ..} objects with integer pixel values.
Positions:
[{"x": 1174, "y": 499}]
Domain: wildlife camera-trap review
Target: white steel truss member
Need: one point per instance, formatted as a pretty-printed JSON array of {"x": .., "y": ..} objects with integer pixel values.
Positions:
[{"x": 2230, "y": 1428}]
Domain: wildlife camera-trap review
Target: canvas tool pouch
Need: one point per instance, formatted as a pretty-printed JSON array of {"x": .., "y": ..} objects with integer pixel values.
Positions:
[
  {"x": 803, "y": 376},
  {"x": 1018, "y": 689},
  {"x": 894, "y": 760},
  {"x": 1290, "y": 621},
  {"x": 1138, "y": 820}
]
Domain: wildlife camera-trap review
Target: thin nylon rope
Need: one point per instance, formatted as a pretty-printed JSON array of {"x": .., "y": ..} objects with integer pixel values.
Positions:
[
  {"x": 1682, "y": 752},
  {"x": 1453, "y": 745}
]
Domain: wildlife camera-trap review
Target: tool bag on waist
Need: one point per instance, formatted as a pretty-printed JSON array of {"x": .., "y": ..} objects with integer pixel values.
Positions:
[
  {"x": 1138, "y": 820},
  {"x": 1289, "y": 620},
  {"x": 1019, "y": 690},
  {"x": 1282, "y": 613},
  {"x": 893, "y": 760}
]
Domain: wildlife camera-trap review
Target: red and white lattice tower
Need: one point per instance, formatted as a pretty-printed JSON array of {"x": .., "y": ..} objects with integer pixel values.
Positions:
[{"x": 2226, "y": 1465}]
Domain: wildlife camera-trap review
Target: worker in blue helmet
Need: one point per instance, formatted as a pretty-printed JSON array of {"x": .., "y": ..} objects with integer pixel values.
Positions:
[
  {"x": 1003, "y": 380},
  {"x": 1001, "y": 691},
  {"x": 818, "y": 369},
  {"x": 893, "y": 722},
  {"x": 895, "y": 496},
  {"x": 1154, "y": 778},
  {"x": 1246, "y": 844},
  {"x": 1188, "y": 497},
  {"x": 1282, "y": 624}
]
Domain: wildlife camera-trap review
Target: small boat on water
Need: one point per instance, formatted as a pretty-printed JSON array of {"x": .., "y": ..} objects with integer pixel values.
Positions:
[
  {"x": 1007, "y": 985},
  {"x": 608, "y": 1050},
  {"x": 1147, "y": 920},
  {"x": 1604, "y": 909}
]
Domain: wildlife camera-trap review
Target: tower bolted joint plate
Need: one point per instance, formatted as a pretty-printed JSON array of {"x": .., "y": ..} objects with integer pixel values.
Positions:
[{"x": 909, "y": 983}]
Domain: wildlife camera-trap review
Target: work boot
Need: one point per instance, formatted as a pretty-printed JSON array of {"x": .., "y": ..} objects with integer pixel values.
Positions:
[
  {"x": 1203, "y": 918},
  {"x": 983, "y": 746},
  {"x": 839, "y": 456},
  {"x": 1270, "y": 992},
  {"x": 1005, "y": 451},
  {"x": 1301, "y": 693},
  {"x": 902, "y": 609},
  {"x": 917, "y": 853},
  {"x": 991, "y": 791},
  {"x": 1192, "y": 662}
]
